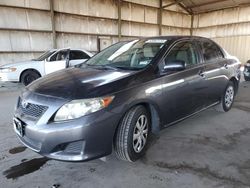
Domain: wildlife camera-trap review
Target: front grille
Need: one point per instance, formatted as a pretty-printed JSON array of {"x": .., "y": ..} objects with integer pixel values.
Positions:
[{"x": 32, "y": 110}]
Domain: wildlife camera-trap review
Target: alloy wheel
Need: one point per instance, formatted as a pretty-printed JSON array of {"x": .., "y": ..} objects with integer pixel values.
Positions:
[
  {"x": 229, "y": 96},
  {"x": 140, "y": 133}
]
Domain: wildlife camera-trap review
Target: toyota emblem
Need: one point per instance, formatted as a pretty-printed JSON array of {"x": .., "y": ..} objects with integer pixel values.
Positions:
[{"x": 25, "y": 104}]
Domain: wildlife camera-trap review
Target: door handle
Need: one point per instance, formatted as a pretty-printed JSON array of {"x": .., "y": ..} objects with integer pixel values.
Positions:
[{"x": 226, "y": 66}]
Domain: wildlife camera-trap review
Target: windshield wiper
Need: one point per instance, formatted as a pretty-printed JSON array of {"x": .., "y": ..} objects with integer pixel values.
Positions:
[
  {"x": 127, "y": 68},
  {"x": 113, "y": 67},
  {"x": 103, "y": 66}
]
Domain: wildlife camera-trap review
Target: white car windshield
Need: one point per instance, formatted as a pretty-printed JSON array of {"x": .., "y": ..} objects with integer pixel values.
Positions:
[
  {"x": 135, "y": 54},
  {"x": 44, "y": 55}
]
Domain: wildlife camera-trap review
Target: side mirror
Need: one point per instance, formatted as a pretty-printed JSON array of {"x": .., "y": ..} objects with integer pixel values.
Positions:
[{"x": 175, "y": 65}]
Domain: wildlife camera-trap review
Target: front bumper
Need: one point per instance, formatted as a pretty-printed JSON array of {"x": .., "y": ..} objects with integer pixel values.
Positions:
[
  {"x": 82, "y": 139},
  {"x": 11, "y": 77}
]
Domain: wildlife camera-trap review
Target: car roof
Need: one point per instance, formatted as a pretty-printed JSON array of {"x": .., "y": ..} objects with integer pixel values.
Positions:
[
  {"x": 176, "y": 37},
  {"x": 58, "y": 49}
]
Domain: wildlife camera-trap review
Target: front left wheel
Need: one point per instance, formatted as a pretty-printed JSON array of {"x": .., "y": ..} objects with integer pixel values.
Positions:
[
  {"x": 132, "y": 134},
  {"x": 28, "y": 77}
]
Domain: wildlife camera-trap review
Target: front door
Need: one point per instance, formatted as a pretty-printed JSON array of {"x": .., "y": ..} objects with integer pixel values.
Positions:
[
  {"x": 183, "y": 91},
  {"x": 57, "y": 61}
]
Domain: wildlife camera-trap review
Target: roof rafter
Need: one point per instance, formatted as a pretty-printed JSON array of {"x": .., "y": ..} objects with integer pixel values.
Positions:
[
  {"x": 178, "y": 2},
  {"x": 206, "y": 3}
]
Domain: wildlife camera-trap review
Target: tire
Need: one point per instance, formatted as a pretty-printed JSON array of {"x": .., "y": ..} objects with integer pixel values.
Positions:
[
  {"x": 227, "y": 98},
  {"x": 29, "y": 76},
  {"x": 246, "y": 78},
  {"x": 130, "y": 141}
]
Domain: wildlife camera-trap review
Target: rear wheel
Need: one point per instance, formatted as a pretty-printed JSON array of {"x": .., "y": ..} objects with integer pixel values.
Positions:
[
  {"x": 28, "y": 77},
  {"x": 227, "y": 98},
  {"x": 132, "y": 134}
]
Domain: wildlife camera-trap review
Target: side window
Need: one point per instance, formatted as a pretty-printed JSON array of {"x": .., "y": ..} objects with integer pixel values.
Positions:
[
  {"x": 184, "y": 51},
  {"x": 59, "y": 56},
  {"x": 210, "y": 51},
  {"x": 76, "y": 54},
  {"x": 53, "y": 58}
]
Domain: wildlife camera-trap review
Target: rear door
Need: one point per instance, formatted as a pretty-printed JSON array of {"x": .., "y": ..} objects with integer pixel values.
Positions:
[
  {"x": 57, "y": 61},
  {"x": 76, "y": 57},
  {"x": 183, "y": 91},
  {"x": 214, "y": 64}
]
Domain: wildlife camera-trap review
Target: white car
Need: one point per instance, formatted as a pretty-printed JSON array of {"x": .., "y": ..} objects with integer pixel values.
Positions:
[{"x": 50, "y": 61}]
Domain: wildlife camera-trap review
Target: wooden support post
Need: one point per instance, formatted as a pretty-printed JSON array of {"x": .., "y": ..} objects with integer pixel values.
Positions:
[
  {"x": 192, "y": 25},
  {"x": 119, "y": 20},
  {"x": 52, "y": 15},
  {"x": 160, "y": 17}
]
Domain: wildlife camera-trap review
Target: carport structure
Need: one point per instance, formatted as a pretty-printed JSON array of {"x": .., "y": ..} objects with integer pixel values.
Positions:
[{"x": 29, "y": 27}]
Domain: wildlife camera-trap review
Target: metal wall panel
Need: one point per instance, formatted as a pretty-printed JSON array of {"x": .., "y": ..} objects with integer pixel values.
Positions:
[
  {"x": 77, "y": 41},
  {"x": 174, "y": 31},
  {"x": 134, "y": 12},
  {"x": 6, "y": 58},
  {"x": 24, "y": 41},
  {"x": 224, "y": 30},
  {"x": 36, "y": 4},
  {"x": 229, "y": 27},
  {"x": 99, "y": 8},
  {"x": 139, "y": 29},
  {"x": 24, "y": 19},
  {"x": 79, "y": 24},
  {"x": 176, "y": 19},
  {"x": 238, "y": 46},
  {"x": 80, "y": 41},
  {"x": 222, "y": 17}
]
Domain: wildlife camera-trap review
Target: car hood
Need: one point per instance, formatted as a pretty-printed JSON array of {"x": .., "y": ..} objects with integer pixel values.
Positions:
[
  {"x": 78, "y": 83},
  {"x": 18, "y": 64}
]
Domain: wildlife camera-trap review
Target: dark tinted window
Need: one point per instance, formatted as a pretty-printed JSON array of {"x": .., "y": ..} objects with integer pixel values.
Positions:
[
  {"x": 59, "y": 56},
  {"x": 183, "y": 51},
  {"x": 210, "y": 50},
  {"x": 76, "y": 54}
]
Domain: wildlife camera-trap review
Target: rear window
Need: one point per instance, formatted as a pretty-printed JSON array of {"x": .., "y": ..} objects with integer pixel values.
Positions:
[
  {"x": 210, "y": 50},
  {"x": 77, "y": 54}
]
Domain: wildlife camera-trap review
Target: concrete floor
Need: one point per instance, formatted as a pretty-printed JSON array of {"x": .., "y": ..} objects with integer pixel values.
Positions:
[{"x": 210, "y": 149}]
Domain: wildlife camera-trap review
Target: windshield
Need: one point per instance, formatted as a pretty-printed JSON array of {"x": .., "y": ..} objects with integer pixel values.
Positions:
[
  {"x": 128, "y": 55},
  {"x": 44, "y": 55}
]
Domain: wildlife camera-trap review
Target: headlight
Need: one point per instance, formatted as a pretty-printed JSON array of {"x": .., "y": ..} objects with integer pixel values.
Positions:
[
  {"x": 6, "y": 70},
  {"x": 78, "y": 108}
]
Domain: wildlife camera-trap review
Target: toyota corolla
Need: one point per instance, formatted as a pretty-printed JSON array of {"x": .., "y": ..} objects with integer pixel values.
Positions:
[{"x": 123, "y": 94}]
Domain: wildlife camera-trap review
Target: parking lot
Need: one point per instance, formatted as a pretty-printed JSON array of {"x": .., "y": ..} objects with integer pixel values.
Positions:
[{"x": 210, "y": 149}]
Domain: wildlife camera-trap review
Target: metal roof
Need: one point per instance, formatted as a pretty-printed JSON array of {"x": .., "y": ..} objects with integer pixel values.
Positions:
[{"x": 202, "y": 6}]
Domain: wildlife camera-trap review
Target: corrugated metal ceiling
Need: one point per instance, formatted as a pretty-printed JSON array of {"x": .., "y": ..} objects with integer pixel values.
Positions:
[{"x": 200, "y": 6}]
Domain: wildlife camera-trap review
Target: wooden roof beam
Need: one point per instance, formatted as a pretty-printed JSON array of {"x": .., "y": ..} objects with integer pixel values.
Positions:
[
  {"x": 206, "y": 3},
  {"x": 178, "y": 2}
]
